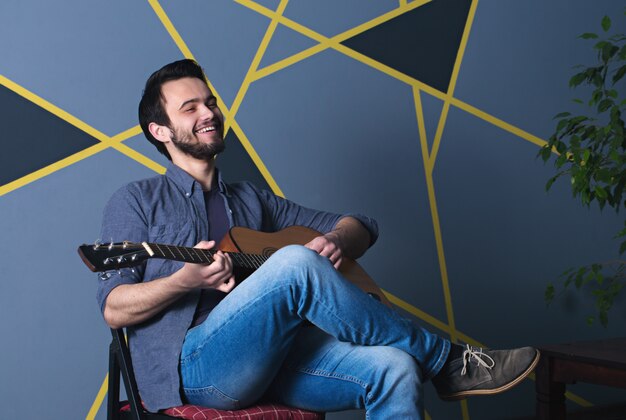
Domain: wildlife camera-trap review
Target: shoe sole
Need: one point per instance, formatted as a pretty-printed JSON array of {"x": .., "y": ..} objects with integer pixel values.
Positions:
[{"x": 464, "y": 394}]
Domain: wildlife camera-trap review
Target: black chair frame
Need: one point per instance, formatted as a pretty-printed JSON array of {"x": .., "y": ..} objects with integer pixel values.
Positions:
[{"x": 121, "y": 363}]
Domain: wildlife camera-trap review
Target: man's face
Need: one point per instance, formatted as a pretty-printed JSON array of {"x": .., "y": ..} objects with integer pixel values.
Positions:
[{"x": 197, "y": 124}]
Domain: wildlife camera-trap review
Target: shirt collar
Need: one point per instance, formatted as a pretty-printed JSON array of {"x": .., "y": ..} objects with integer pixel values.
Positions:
[{"x": 188, "y": 184}]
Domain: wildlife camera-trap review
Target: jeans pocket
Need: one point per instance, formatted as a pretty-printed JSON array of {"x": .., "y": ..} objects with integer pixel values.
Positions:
[{"x": 212, "y": 397}]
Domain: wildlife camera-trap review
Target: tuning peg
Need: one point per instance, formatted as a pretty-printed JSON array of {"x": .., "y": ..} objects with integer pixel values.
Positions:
[
  {"x": 105, "y": 275},
  {"x": 97, "y": 244}
]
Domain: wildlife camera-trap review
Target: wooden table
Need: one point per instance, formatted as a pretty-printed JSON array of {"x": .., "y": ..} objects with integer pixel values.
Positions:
[{"x": 600, "y": 362}]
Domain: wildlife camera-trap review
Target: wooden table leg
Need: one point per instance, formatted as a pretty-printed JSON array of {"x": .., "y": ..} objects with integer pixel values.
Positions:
[{"x": 550, "y": 395}]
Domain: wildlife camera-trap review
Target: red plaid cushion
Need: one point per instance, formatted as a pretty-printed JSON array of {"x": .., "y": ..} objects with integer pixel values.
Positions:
[{"x": 257, "y": 412}]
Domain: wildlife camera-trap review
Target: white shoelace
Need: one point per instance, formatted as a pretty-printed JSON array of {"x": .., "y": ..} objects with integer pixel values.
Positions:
[{"x": 478, "y": 355}]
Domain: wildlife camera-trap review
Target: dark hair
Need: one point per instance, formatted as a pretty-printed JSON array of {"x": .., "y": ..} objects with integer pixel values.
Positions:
[{"x": 151, "y": 107}]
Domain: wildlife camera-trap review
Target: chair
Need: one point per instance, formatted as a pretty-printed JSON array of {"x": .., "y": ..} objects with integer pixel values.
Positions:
[{"x": 121, "y": 363}]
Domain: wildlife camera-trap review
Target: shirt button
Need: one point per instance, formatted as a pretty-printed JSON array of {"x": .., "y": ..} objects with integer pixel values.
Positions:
[{"x": 187, "y": 194}]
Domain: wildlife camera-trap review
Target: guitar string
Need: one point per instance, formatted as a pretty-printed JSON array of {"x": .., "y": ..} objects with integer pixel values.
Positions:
[{"x": 250, "y": 261}]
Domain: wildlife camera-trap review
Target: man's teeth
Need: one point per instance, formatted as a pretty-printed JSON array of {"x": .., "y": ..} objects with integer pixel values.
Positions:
[{"x": 206, "y": 129}]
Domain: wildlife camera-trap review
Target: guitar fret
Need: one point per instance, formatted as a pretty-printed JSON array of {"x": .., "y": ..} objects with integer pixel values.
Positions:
[
  {"x": 201, "y": 255},
  {"x": 250, "y": 259},
  {"x": 178, "y": 250},
  {"x": 208, "y": 256},
  {"x": 260, "y": 260},
  {"x": 158, "y": 247},
  {"x": 257, "y": 260},
  {"x": 193, "y": 258},
  {"x": 239, "y": 260}
]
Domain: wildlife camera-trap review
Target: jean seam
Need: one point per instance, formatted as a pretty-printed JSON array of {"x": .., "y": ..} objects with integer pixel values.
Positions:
[
  {"x": 442, "y": 359},
  {"x": 328, "y": 374}
]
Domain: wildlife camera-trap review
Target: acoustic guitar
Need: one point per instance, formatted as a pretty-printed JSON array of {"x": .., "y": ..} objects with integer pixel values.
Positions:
[{"x": 248, "y": 249}]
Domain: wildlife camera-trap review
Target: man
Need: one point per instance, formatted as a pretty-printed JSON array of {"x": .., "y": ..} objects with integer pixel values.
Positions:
[{"x": 196, "y": 338}]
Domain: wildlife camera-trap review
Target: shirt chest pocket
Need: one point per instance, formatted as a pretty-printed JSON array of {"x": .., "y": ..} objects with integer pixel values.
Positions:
[{"x": 180, "y": 233}]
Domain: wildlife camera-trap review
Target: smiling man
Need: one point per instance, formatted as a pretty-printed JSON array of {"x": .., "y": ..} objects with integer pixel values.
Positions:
[{"x": 195, "y": 337}]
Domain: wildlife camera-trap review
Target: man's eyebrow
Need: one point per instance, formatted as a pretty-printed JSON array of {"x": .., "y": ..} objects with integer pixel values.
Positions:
[{"x": 189, "y": 101}]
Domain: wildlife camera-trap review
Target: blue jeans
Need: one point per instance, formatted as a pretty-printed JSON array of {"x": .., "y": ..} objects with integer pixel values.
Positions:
[{"x": 359, "y": 354}]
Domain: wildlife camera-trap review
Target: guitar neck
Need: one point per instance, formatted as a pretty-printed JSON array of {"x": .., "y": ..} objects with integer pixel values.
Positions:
[{"x": 204, "y": 256}]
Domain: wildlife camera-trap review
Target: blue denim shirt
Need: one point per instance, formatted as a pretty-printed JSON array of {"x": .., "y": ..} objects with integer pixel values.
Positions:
[{"x": 170, "y": 209}]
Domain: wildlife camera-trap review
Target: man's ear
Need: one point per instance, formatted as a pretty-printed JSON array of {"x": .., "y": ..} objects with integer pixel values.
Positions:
[{"x": 160, "y": 132}]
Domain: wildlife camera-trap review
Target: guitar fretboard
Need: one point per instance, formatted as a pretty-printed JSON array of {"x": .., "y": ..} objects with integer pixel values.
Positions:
[{"x": 195, "y": 255}]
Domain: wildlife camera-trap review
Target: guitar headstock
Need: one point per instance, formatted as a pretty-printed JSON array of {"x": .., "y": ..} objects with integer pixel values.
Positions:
[{"x": 104, "y": 257}]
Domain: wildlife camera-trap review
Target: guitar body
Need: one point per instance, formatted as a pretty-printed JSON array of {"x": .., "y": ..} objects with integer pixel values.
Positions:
[{"x": 244, "y": 240}]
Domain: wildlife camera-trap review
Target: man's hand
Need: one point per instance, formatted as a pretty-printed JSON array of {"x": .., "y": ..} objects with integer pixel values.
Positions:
[
  {"x": 349, "y": 238},
  {"x": 217, "y": 275},
  {"x": 328, "y": 246},
  {"x": 130, "y": 304}
]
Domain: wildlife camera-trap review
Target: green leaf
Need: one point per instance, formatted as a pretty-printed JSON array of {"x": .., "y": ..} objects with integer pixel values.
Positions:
[
  {"x": 605, "y": 104},
  {"x": 604, "y": 318},
  {"x": 608, "y": 51},
  {"x": 622, "y": 248},
  {"x": 586, "y": 197},
  {"x": 586, "y": 155},
  {"x": 599, "y": 278},
  {"x": 603, "y": 175},
  {"x": 578, "y": 279},
  {"x": 599, "y": 45},
  {"x": 588, "y": 35},
  {"x": 606, "y": 23},
  {"x": 545, "y": 152},
  {"x": 577, "y": 79},
  {"x": 550, "y": 182},
  {"x": 562, "y": 124},
  {"x": 561, "y": 115},
  {"x": 619, "y": 74}
]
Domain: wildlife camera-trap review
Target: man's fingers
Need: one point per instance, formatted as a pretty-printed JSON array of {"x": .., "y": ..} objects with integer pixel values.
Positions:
[
  {"x": 337, "y": 263},
  {"x": 205, "y": 245},
  {"x": 227, "y": 285}
]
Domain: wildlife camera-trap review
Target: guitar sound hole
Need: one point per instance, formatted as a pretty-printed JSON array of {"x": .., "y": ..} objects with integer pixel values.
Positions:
[{"x": 267, "y": 252}]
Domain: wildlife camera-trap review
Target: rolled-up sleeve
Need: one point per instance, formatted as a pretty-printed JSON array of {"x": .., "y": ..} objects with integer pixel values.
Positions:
[
  {"x": 123, "y": 220},
  {"x": 284, "y": 213}
]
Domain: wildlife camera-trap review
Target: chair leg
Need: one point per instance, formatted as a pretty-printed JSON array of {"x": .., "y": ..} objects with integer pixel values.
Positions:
[
  {"x": 113, "y": 393},
  {"x": 124, "y": 363}
]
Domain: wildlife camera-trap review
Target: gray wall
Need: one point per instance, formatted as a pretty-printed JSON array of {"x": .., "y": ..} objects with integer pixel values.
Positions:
[{"x": 429, "y": 122}]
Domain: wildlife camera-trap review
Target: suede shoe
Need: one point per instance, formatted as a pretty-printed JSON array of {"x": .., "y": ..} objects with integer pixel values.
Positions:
[{"x": 484, "y": 372}]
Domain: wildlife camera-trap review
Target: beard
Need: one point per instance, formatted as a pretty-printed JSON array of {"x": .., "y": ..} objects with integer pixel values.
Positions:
[{"x": 189, "y": 145}]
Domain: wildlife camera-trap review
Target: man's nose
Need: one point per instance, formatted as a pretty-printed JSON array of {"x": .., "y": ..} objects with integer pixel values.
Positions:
[{"x": 207, "y": 112}]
